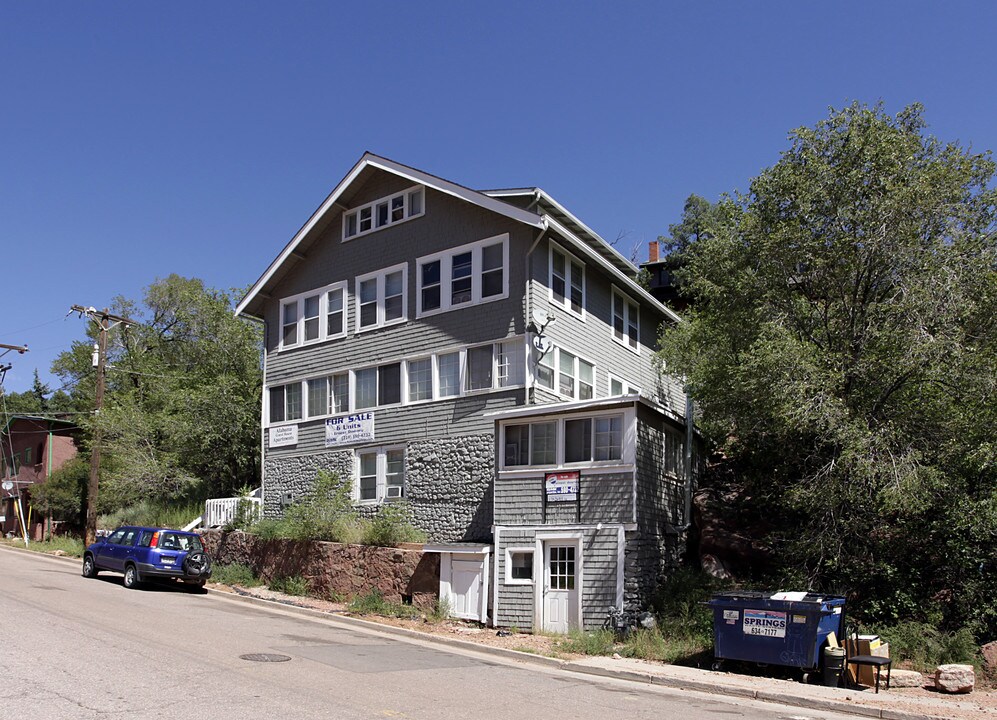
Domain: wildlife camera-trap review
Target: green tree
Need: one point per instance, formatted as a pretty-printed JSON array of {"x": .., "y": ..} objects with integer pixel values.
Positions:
[
  {"x": 181, "y": 409},
  {"x": 842, "y": 346},
  {"x": 38, "y": 400}
]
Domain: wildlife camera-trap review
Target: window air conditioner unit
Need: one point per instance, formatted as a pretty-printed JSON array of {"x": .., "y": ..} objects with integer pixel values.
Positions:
[{"x": 394, "y": 491}]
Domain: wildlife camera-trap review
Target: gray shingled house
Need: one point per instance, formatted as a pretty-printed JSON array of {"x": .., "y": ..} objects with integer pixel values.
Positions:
[{"x": 488, "y": 358}]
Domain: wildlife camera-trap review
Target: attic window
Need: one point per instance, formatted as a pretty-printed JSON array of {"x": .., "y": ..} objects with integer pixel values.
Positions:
[{"x": 383, "y": 212}]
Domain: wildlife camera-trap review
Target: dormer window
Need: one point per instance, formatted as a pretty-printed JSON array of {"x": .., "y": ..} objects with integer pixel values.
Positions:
[{"x": 382, "y": 213}]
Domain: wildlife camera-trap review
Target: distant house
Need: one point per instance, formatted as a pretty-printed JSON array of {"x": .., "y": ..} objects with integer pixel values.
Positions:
[
  {"x": 488, "y": 358},
  {"x": 31, "y": 448}
]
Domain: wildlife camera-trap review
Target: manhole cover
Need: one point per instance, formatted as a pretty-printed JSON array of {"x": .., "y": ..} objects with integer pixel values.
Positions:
[{"x": 265, "y": 657}]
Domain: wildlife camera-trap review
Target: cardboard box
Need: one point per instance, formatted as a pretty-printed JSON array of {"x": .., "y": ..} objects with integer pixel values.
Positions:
[{"x": 865, "y": 645}]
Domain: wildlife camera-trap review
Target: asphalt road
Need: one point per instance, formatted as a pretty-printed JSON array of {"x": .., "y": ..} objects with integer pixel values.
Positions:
[{"x": 78, "y": 649}]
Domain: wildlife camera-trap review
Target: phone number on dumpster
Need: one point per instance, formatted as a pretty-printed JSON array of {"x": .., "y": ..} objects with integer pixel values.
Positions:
[{"x": 765, "y": 623}]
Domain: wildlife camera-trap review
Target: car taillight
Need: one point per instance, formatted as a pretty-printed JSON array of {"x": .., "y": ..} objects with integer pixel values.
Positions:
[{"x": 155, "y": 540}]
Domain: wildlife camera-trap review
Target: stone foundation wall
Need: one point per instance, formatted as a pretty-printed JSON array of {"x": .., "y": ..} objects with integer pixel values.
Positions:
[
  {"x": 448, "y": 484},
  {"x": 332, "y": 570},
  {"x": 296, "y": 475}
]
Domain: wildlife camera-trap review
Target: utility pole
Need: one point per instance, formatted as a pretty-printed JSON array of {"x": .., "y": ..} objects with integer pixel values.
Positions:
[
  {"x": 8, "y": 485},
  {"x": 105, "y": 321}
]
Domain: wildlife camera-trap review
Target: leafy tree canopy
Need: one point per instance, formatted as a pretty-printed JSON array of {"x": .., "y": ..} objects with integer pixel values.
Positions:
[
  {"x": 843, "y": 348},
  {"x": 181, "y": 408}
]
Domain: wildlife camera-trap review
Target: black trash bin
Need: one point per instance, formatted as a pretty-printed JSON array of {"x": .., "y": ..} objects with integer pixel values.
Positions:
[{"x": 755, "y": 627}]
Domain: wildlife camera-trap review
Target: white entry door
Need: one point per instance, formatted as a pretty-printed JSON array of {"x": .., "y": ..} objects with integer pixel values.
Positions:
[
  {"x": 465, "y": 588},
  {"x": 560, "y": 604}
]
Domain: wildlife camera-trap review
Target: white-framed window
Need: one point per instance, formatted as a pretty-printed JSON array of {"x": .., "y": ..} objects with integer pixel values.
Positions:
[
  {"x": 461, "y": 277},
  {"x": 381, "y": 298},
  {"x": 419, "y": 378},
  {"x": 566, "y": 374},
  {"x": 479, "y": 368},
  {"x": 595, "y": 439},
  {"x": 377, "y": 386},
  {"x": 618, "y": 386},
  {"x": 519, "y": 565},
  {"x": 313, "y": 316},
  {"x": 383, "y": 212},
  {"x": 626, "y": 321},
  {"x": 380, "y": 474},
  {"x": 286, "y": 403},
  {"x": 493, "y": 366},
  {"x": 567, "y": 281}
]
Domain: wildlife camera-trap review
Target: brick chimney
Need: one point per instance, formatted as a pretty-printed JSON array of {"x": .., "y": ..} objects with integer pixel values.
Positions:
[{"x": 652, "y": 251}]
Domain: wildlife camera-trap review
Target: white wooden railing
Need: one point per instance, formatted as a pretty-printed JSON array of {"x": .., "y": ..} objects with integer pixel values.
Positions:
[{"x": 219, "y": 512}]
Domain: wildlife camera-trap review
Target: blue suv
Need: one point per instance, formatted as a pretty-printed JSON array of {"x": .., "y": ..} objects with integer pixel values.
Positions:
[{"x": 144, "y": 553}]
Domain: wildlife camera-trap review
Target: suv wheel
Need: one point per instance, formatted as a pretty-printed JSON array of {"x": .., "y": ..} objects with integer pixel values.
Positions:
[
  {"x": 131, "y": 577},
  {"x": 89, "y": 568}
]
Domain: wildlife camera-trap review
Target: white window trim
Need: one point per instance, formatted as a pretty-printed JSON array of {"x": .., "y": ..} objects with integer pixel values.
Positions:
[
  {"x": 555, "y": 353},
  {"x": 566, "y": 303},
  {"x": 509, "y": 579},
  {"x": 380, "y": 276},
  {"x": 405, "y": 401},
  {"x": 627, "y": 456},
  {"x": 627, "y": 302},
  {"x": 406, "y": 212},
  {"x": 446, "y": 276},
  {"x": 323, "y": 311},
  {"x": 304, "y": 404},
  {"x": 382, "y": 473},
  {"x": 631, "y": 388}
]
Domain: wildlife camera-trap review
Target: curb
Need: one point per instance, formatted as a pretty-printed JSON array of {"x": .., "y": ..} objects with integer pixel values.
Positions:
[{"x": 572, "y": 666}]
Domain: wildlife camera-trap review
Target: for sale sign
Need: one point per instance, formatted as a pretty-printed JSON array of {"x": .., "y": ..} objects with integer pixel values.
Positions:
[{"x": 764, "y": 623}]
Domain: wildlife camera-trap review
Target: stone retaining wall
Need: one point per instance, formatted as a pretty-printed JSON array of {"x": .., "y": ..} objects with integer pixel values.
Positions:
[{"x": 332, "y": 570}]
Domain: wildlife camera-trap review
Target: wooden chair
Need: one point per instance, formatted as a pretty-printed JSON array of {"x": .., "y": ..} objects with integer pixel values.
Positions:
[{"x": 866, "y": 660}]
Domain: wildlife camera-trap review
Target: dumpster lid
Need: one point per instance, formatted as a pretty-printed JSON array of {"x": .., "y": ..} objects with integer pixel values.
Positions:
[{"x": 807, "y": 596}]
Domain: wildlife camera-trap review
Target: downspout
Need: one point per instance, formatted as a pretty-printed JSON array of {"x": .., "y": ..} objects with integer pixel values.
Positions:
[
  {"x": 531, "y": 386},
  {"x": 690, "y": 436}
]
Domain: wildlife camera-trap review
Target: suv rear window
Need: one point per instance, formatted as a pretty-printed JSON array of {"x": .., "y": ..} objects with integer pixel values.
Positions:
[
  {"x": 179, "y": 541},
  {"x": 145, "y": 538}
]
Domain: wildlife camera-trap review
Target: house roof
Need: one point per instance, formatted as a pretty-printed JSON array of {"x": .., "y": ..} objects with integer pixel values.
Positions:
[
  {"x": 39, "y": 418},
  {"x": 549, "y": 216}
]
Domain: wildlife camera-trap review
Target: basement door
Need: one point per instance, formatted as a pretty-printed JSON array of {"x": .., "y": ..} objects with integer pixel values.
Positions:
[
  {"x": 560, "y": 601},
  {"x": 465, "y": 588}
]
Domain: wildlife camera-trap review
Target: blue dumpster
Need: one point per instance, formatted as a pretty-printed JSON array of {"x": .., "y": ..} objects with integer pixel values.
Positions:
[{"x": 789, "y": 629}]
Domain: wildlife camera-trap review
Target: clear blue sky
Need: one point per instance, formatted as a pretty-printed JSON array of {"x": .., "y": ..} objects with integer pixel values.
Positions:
[{"x": 141, "y": 139}]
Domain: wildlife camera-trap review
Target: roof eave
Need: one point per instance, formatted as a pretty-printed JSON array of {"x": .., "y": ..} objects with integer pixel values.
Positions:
[{"x": 418, "y": 176}]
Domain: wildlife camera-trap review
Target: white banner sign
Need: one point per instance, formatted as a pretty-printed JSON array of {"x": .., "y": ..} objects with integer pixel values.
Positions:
[
  {"x": 283, "y": 435},
  {"x": 349, "y": 429}
]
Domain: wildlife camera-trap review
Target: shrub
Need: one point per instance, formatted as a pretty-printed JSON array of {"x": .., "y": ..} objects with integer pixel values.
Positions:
[
  {"x": 294, "y": 585},
  {"x": 926, "y": 647},
  {"x": 235, "y": 574},
  {"x": 596, "y": 642},
  {"x": 391, "y": 526},
  {"x": 246, "y": 512},
  {"x": 374, "y": 603}
]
